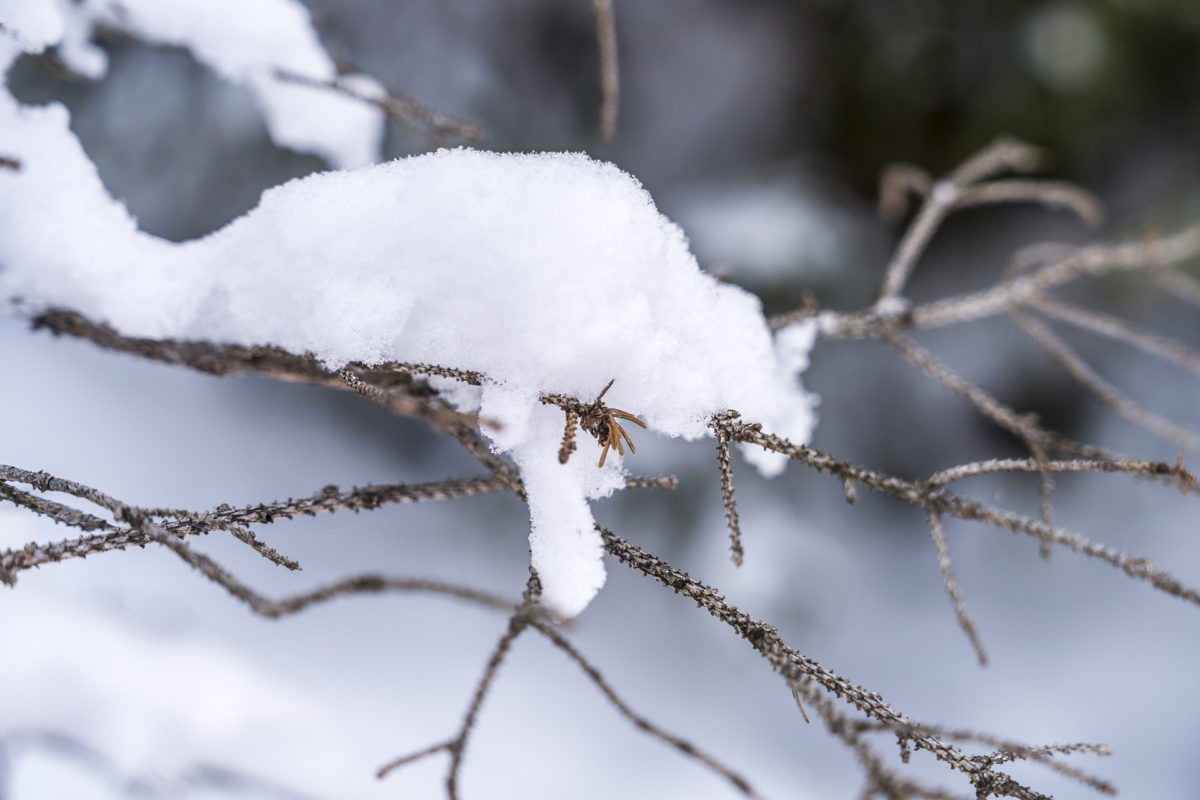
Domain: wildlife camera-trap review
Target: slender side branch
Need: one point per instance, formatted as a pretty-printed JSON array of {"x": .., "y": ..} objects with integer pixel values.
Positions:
[
  {"x": 1024, "y": 426},
  {"x": 467, "y": 376},
  {"x": 896, "y": 183},
  {"x": 1054, "y": 194},
  {"x": 945, "y": 502},
  {"x": 361, "y": 584},
  {"x": 610, "y": 75},
  {"x": 1119, "y": 330},
  {"x": 640, "y": 722},
  {"x": 329, "y": 499},
  {"x": 1005, "y": 154},
  {"x": 1143, "y": 256},
  {"x": 55, "y": 511},
  {"x": 1184, "y": 287},
  {"x": 736, "y": 552},
  {"x": 1153, "y": 256},
  {"x": 959, "y": 189},
  {"x": 1101, "y": 389},
  {"x": 947, "y": 568},
  {"x": 396, "y": 104},
  {"x": 800, "y": 671},
  {"x": 456, "y": 746},
  {"x": 1137, "y": 467}
]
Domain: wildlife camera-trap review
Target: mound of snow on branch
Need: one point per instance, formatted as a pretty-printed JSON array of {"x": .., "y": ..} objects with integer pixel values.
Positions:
[{"x": 549, "y": 273}]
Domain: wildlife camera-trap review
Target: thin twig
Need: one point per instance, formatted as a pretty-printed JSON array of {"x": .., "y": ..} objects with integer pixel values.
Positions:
[
  {"x": 361, "y": 584},
  {"x": 396, "y": 104},
  {"x": 329, "y": 499},
  {"x": 517, "y": 623},
  {"x": 610, "y": 76},
  {"x": 947, "y": 568},
  {"x": 897, "y": 183},
  {"x": 1182, "y": 286},
  {"x": 667, "y": 482},
  {"x": 800, "y": 671},
  {"x": 1004, "y": 154},
  {"x": 1137, "y": 467},
  {"x": 383, "y": 771},
  {"x": 639, "y": 721},
  {"x": 1119, "y": 330},
  {"x": 1054, "y": 194},
  {"x": 568, "y": 441},
  {"x": 1101, "y": 389},
  {"x": 942, "y": 197},
  {"x": 467, "y": 376},
  {"x": 736, "y": 552},
  {"x": 408, "y": 405},
  {"x": 1045, "y": 492},
  {"x": 1151, "y": 256},
  {"x": 945, "y": 502}
]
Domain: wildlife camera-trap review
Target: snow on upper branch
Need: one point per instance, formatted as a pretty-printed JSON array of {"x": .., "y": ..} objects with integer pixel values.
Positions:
[{"x": 249, "y": 42}]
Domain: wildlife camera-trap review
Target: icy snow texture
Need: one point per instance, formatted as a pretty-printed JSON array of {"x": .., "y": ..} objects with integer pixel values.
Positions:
[
  {"x": 549, "y": 273},
  {"x": 245, "y": 41}
]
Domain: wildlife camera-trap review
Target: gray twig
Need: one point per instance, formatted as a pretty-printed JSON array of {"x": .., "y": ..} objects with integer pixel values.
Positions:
[
  {"x": 947, "y": 568},
  {"x": 610, "y": 75}
]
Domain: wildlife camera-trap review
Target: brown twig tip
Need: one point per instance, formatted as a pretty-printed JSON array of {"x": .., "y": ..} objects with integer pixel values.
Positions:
[
  {"x": 721, "y": 430},
  {"x": 897, "y": 184},
  {"x": 1186, "y": 479},
  {"x": 8, "y": 162},
  {"x": 568, "y": 440},
  {"x": 800, "y": 705}
]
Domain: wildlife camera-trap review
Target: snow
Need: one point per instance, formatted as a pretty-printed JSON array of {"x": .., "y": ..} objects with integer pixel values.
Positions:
[
  {"x": 548, "y": 273},
  {"x": 247, "y": 43},
  {"x": 31, "y": 26}
]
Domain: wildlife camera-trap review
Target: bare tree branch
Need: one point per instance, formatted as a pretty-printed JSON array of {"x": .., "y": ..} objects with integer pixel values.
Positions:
[
  {"x": 1101, "y": 389},
  {"x": 610, "y": 76},
  {"x": 941, "y": 501},
  {"x": 433, "y": 127},
  {"x": 800, "y": 672},
  {"x": 944, "y": 564},
  {"x": 1119, "y": 330},
  {"x": 360, "y": 584},
  {"x": 639, "y": 721},
  {"x": 737, "y": 554}
]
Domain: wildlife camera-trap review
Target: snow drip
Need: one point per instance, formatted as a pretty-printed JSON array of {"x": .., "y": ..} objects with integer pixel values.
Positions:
[{"x": 548, "y": 273}]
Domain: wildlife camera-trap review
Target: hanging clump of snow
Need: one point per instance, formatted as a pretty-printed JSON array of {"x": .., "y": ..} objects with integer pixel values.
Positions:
[{"x": 549, "y": 273}]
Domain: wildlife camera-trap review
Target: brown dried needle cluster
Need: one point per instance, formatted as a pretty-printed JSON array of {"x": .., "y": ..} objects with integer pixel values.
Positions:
[{"x": 597, "y": 419}]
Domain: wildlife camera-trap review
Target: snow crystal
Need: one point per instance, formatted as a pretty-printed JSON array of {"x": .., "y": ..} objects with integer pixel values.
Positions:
[{"x": 548, "y": 273}]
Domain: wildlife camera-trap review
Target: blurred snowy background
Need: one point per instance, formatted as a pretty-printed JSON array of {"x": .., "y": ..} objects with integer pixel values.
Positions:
[{"x": 760, "y": 127}]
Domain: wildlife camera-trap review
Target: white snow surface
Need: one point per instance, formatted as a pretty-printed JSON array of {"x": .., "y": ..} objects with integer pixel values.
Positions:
[
  {"x": 247, "y": 42},
  {"x": 549, "y": 273}
]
